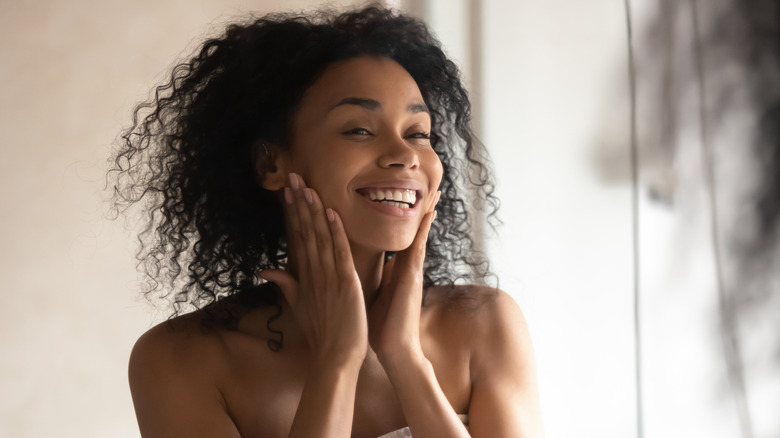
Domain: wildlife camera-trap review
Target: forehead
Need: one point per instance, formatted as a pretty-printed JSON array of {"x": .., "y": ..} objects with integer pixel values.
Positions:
[{"x": 381, "y": 79}]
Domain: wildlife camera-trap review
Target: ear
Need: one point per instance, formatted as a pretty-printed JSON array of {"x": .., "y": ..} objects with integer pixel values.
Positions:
[{"x": 271, "y": 165}]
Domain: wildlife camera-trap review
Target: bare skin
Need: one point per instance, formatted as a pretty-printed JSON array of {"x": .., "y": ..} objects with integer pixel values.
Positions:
[{"x": 361, "y": 356}]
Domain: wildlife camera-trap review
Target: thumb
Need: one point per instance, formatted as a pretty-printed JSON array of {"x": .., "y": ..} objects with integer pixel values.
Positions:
[{"x": 286, "y": 282}]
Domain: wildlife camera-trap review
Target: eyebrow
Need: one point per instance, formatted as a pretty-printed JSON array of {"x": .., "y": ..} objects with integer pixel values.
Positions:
[
  {"x": 418, "y": 108},
  {"x": 372, "y": 105}
]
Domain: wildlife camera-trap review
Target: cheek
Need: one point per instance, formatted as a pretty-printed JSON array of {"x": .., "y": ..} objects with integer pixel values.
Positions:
[
  {"x": 435, "y": 169},
  {"x": 329, "y": 177},
  {"x": 314, "y": 165}
]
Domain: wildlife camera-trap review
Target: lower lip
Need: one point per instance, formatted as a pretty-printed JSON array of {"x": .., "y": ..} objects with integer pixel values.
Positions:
[{"x": 392, "y": 211}]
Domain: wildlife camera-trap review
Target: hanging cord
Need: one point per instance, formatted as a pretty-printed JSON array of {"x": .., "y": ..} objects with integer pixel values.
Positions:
[
  {"x": 635, "y": 221},
  {"x": 728, "y": 322}
]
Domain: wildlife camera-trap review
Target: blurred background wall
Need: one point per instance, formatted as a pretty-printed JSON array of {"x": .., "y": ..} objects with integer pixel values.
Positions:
[{"x": 550, "y": 86}]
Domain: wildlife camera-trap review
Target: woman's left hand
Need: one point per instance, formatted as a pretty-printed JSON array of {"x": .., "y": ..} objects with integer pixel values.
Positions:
[{"x": 394, "y": 317}]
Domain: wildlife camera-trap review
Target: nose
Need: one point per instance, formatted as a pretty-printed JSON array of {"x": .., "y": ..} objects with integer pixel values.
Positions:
[{"x": 398, "y": 153}]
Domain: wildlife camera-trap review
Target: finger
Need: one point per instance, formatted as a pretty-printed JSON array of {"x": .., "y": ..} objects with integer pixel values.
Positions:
[
  {"x": 323, "y": 236},
  {"x": 292, "y": 215},
  {"x": 285, "y": 281},
  {"x": 431, "y": 205},
  {"x": 342, "y": 254},
  {"x": 291, "y": 220},
  {"x": 414, "y": 256},
  {"x": 422, "y": 233},
  {"x": 308, "y": 250},
  {"x": 387, "y": 272}
]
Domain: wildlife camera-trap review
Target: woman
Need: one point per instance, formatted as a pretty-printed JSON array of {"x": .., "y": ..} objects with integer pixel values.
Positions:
[{"x": 285, "y": 164}]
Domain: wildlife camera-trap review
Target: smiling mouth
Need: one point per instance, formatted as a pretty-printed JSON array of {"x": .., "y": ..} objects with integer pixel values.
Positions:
[{"x": 399, "y": 198}]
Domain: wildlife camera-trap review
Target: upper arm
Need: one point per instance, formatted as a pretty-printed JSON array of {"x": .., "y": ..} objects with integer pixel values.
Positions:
[
  {"x": 504, "y": 398},
  {"x": 173, "y": 399}
]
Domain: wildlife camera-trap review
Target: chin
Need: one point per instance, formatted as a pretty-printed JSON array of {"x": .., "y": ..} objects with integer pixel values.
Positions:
[
  {"x": 378, "y": 237},
  {"x": 399, "y": 246},
  {"x": 389, "y": 243}
]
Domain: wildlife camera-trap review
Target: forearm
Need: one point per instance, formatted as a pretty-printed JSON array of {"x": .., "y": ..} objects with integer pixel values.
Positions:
[
  {"x": 327, "y": 402},
  {"x": 426, "y": 408}
]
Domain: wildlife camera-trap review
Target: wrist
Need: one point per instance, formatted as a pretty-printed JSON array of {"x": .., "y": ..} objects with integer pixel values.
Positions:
[
  {"x": 401, "y": 361},
  {"x": 338, "y": 361}
]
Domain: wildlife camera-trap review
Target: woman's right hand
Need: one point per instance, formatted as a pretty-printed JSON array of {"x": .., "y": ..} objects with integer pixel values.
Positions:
[{"x": 326, "y": 297}]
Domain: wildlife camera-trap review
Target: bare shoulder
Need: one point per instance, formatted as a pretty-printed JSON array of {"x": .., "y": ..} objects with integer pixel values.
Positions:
[
  {"x": 172, "y": 374},
  {"x": 171, "y": 344},
  {"x": 486, "y": 321},
  {"x": 502, "y": 369},
  {"x": 171, "y": 353},
  {"x": 482, "y": 310},
  {"x": 197, "y": 342}
]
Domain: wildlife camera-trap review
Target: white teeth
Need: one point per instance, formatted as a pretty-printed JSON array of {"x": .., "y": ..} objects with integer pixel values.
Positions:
[
  {"x": 396, "y": 204},
  {"x": 402, "y": 198}
]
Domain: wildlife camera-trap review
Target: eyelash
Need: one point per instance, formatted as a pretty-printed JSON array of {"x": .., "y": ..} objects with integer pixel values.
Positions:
[
  {"x": 364, "y": 131},
  {"x": 358, "y": 131},
  {"x": 421, "y": 135}
]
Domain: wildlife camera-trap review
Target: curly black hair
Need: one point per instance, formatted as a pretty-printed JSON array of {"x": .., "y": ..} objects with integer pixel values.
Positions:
[{"x": 189, "y": 153}]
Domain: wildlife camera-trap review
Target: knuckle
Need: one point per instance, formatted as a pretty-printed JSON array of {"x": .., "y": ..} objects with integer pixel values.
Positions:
[
  {"x": 341, "y": 253},
  {"x": 304, "y": 230},
  {"x": 323, "y": 241}
]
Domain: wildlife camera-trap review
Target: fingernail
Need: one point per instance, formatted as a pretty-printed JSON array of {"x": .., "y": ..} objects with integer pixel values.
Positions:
[
  {"x": 294, "y": 181},
  {"x": 308, "y": 196},
  {"x": 331, "y": 216},
  {"x": 287, "y": 195},
  {"x": 434, "y": 215},
  {"x": 438, "y": 196}
]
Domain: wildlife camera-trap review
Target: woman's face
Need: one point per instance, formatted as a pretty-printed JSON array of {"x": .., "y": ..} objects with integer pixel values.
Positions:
[{"x": 361, "y": 136}]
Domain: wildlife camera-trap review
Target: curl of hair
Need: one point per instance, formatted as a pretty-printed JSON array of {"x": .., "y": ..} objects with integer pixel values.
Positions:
[{"x": 190, "y": 152}]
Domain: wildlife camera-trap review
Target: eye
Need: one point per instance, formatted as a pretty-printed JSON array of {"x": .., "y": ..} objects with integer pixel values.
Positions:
[
  {"x": 357, "y": 131},
  {"x": 422, "y": 135}
]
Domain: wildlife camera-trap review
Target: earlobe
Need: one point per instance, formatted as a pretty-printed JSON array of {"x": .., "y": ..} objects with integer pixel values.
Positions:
[{"x": 271, "y": 163}]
